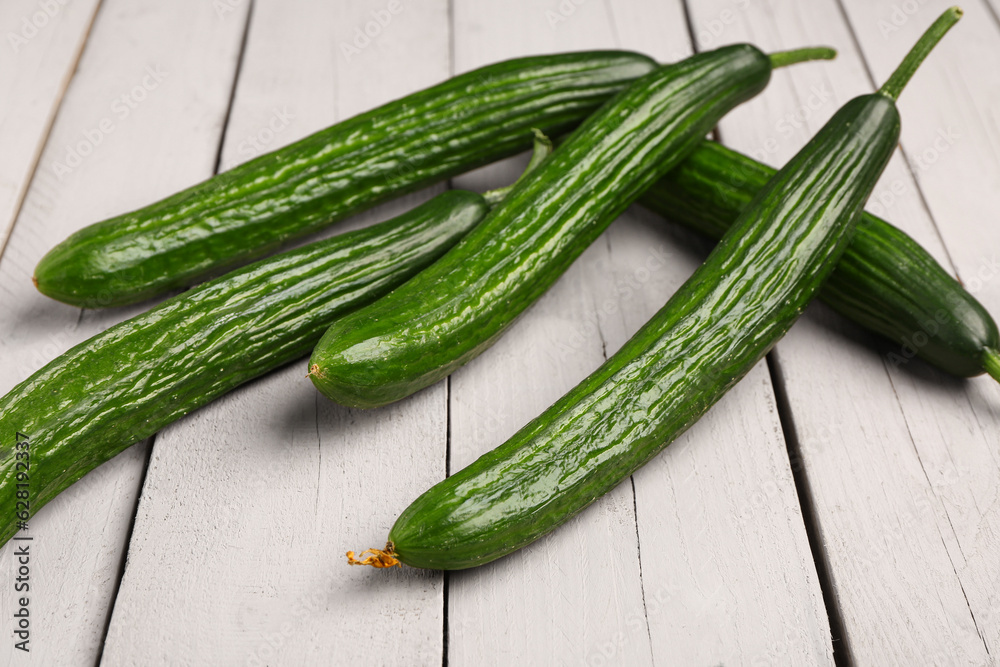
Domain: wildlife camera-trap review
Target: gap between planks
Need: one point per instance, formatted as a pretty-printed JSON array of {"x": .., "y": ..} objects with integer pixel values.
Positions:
[
  {"x": 43, "y": 140},
  {"x": 152, "y": 439}
]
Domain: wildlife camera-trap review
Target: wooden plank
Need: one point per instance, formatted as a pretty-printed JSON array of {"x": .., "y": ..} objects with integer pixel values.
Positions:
[
  {"x": 952, "y": 143},
  {"x": 735, "y": 457},
  {"x": 882, "y": 448},
  {"x": 237, "y": 554},
  {"x": 582, "y": 595},
  {"x": 563, "y": 598},
  {"x": 43, "y": 44},
  {"x": 148, "y": 99}
]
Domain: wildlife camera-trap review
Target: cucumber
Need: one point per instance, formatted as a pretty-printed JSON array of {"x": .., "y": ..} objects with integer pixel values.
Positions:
[
  {"x": 885, "y": 281},
  {"x": 242, "y": 214},
  {"x": 125, "y": 384},
  {"x": 455, "y": 310},
  {"x": 753, "y": 286}
]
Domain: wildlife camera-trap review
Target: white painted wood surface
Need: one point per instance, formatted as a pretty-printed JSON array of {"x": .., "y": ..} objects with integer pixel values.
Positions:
[
  {"x": 261, "y": 510},
  {"x": 41, "y": 47},
  {"x": 897, "y": 459},
  {"x": 167, "y": 141},
  {"x": 245, "y": 510},
  {"x": 613, "y": 606}
]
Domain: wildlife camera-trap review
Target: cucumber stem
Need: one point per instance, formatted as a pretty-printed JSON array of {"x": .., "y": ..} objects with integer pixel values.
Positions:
[
  {"x": 991, "y": 362},
  {"x": 895, "y": 84},
  {"x": 785, "y": 58},
  {"x": 541, "y": 149}
]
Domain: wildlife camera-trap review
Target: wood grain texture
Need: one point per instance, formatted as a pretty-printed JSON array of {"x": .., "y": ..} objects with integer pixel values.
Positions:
[
  {"x": 606, "y": 588},
  {"x": 43, "y": 44},
  {"x": 754, "y": 612},
  {"x": 879, "y": 443},
  {"x": 237, "y": 555},
  {"x": 566, "y": 597},
  {"x": 951, "y": 142},
  {"x": 79, "y": 538}
]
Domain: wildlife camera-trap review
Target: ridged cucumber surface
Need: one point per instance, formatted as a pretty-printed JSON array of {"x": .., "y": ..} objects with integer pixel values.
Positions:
[
  {"x": 450, "y": 313},
  {"x": 885, "y": 281},
  {"x": 754, "y": 285},
  {"x": 465, "y": 122},
  {"x": 125, "y": 384}
]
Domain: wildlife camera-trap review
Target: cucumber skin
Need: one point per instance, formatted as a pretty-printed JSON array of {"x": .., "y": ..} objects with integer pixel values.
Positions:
[
  {"x": 455, "y": 310},
  {"x": 885, "y": 281},
  {"x": 465, "y": 122},
  {"x": 750, "y": 290},
  {"x": 125, "y": 384}
]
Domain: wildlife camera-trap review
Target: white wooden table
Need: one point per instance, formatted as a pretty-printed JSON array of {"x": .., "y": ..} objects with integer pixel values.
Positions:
[{"x": 834, "y": 508}]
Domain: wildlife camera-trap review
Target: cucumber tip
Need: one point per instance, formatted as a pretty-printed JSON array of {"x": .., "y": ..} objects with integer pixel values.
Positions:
[
  {"x": 991, "y": 363},
  {"x": 377, "y": 558}
]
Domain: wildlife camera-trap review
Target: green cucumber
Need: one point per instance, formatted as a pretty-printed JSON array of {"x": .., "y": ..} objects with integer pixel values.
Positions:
[
  {"x": 885, "y": 281},
  {"x": 468, "y": 121},
  {"x": 125, "y": 384},
  {"x": 455, "y": 310},
  {"x": 721, "y": 322}
]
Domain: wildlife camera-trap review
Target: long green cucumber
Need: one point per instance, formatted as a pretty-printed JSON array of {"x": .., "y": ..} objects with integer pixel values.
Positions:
[
  {"x": 125, "y": 384},
  {"x": 885, "y": 281},
  {"x": 450, "y": 313},
  {"x": 750, "y": 290},
  {"x": 465, "y": 122}
]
